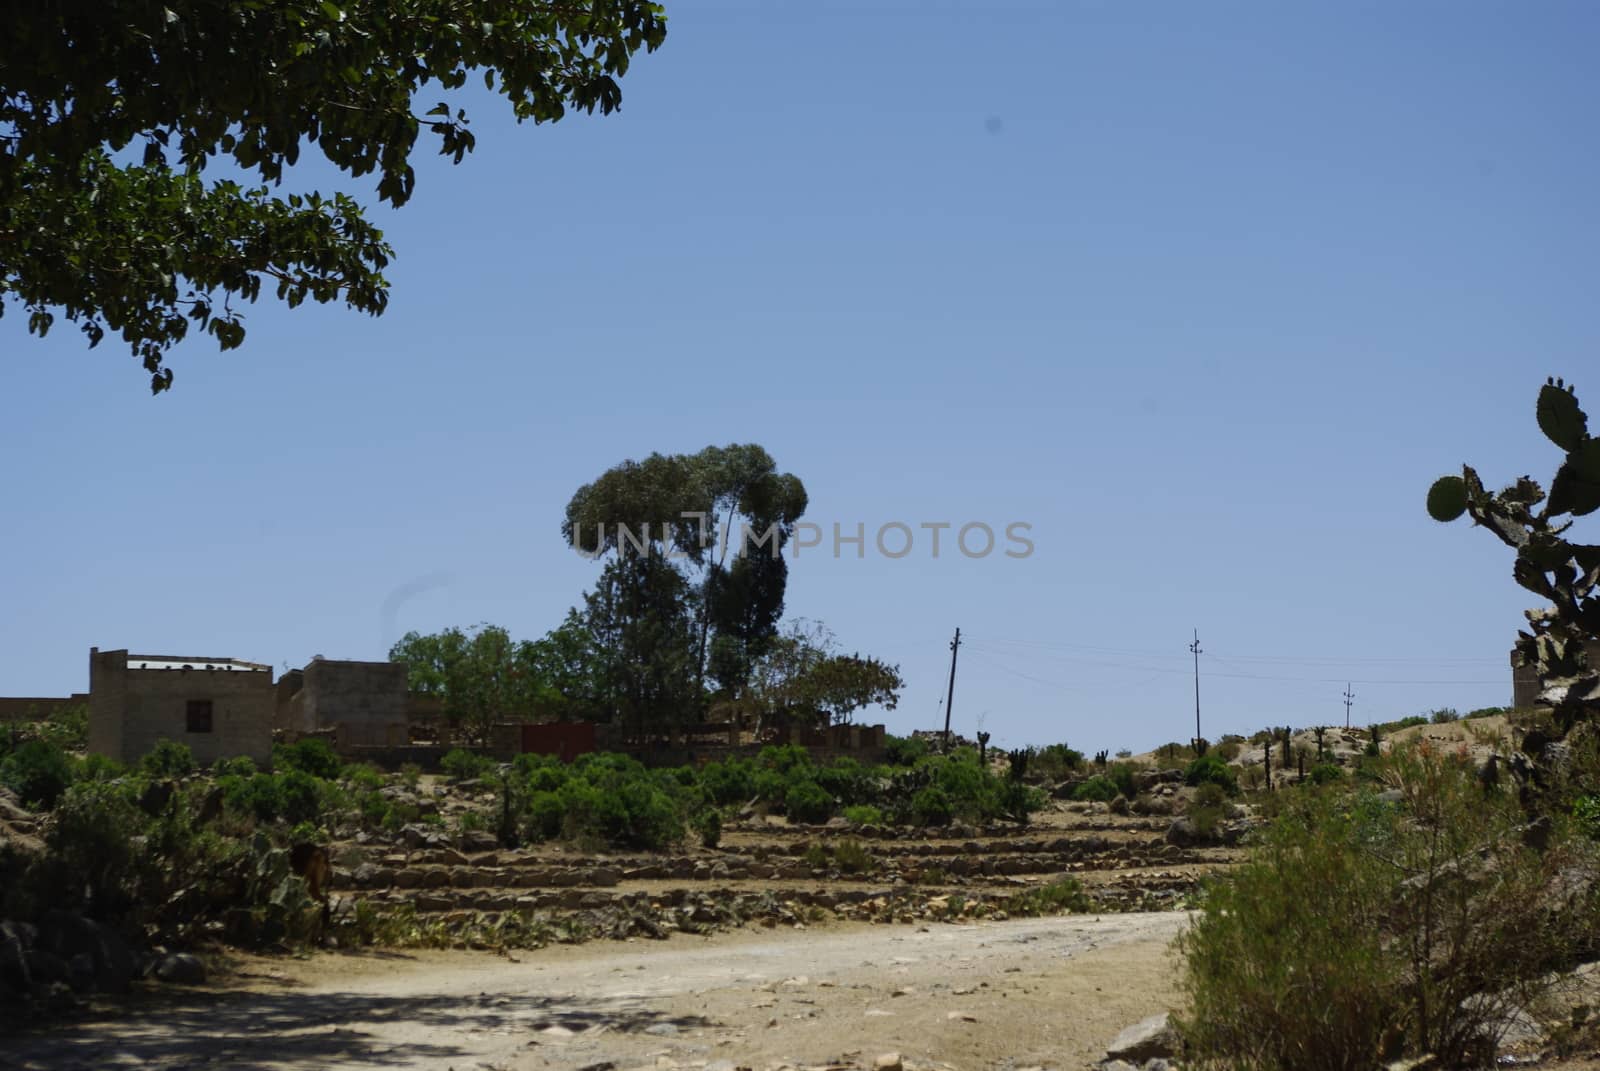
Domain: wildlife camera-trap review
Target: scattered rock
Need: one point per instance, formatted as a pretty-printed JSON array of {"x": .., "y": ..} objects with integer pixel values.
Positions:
[
  {"x": 1147, "y": 1040},
  {"x": 180, "y": 968},
  {"x": 889, "y": 1061}
]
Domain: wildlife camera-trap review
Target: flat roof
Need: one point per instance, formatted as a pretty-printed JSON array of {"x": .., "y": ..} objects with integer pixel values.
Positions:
[{"x": 231, "y": 665}]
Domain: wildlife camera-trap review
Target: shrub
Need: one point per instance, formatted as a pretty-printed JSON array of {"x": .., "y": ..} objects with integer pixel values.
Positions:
[
  {"x": 91, "y": 854},
  {"x": 1444, "y": 716},
  {"x": 101, "y": 768},
  {"x": 709, "y": 826},
  {"x": 463, "y": 765},
  {"x": 931, "y": 807},
  {"x": 168, "y": 759},
  {"x": 411, "y": 774},
  {"x": 542, "y": 816},
  {"x": 1326, "y": 773},
  {"x": 726, "y": 783},
  {"x": 311, "y": 755},
  {"x": 1121, "y": 774},
  {"x": 1055, "y": 761},
  {"x": 1097, "y": 789},
  {"x": 863, "y": 814},
  {"x": 1586, "y": 810},
  {"x": 1017, "y": 801},
  {"x": 1059, "y": 898},
  {"x": 238, "y": 766},
  {"x": 362, "y": 775},
  {"x": 1359, "y": 930},
  {"x": 807, "y": 801},
  {"x": 37, "y": 772},
  {"x": 1209, "y": 769},
  {"x": 847, "y": 781},
  {"x": 852, "y": 858},
  {"x": 301, "y": 795},
  {"x": 904, "y": 750}
]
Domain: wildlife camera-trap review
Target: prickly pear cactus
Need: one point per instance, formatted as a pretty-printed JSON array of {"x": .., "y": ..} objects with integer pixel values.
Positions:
[{"x": 1564, "y": 573}]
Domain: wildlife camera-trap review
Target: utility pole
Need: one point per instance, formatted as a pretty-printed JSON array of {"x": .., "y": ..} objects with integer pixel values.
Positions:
[
  {"x": 1195, "y": 648},
  {"x": 955, "y": 645},
  {"x": 1349, "y": 697}
]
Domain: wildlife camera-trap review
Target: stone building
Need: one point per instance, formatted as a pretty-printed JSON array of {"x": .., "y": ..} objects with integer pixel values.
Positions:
[
  {"x": 219, "y": 707},
  {"x": 364, "y": 703},
  {"x": 1525, "y": 685}
]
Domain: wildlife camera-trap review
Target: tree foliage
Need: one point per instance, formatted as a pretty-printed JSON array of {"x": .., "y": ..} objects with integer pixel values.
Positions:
[
  {"x": 111, "y": 112},
  {"x": 804, "y": 680},
  {"x": 481, "y": 675},
  {"x": 669, "y": 599}
]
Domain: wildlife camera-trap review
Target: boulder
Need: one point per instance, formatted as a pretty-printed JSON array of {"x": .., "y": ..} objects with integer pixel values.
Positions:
[
  {"x": 180, "y": 968},
  {"x": 1151, "y": 1039},
  {"x": 110, "y": 964}
]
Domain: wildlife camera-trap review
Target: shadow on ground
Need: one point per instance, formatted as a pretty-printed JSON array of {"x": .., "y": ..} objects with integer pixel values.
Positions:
[{"x": 260, "y": 1031}]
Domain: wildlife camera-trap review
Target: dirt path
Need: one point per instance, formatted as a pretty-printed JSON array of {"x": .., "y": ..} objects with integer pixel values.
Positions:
[{"x": 1037, "y": 992}]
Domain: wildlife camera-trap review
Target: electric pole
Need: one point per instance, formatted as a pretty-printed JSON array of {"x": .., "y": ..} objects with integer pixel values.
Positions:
[
  {"x": 955, "y": 645},
  {"x": 1195, "y": 648},
  {"x": 1349, "y": 697}
]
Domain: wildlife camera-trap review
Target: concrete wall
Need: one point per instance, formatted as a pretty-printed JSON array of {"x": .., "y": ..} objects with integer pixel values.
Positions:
[
  {"x": 131, "y": 710},
  {"x": 1525, "y": 685},
  {"x": 372, "y": 693},
  {"x": 28, "y": 708}
]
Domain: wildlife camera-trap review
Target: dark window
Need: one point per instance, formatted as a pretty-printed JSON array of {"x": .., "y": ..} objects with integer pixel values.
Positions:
[{"x": 199, "y": 715}]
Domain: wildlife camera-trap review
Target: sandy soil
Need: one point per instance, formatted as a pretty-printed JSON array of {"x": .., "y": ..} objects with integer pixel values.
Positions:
[{"x": 1014, "y": 994}]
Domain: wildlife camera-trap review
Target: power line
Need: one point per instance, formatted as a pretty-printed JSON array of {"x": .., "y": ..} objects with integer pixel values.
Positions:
[
  {"x": 980, "y": 649},
  {"x": 1290, "y": 659}
]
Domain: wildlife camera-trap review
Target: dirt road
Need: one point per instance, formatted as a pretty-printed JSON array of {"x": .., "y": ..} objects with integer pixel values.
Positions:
[{"x": 1038, "y": 992}]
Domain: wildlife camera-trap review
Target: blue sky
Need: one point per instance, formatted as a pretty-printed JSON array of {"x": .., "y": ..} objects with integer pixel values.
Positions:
[{"x": 1205, "y": 294}]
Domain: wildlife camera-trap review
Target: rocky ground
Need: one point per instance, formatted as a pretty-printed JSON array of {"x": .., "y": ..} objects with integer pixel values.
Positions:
[
  {"x": 1047, "y": 993},
  {"x": 767, "y": 870}
]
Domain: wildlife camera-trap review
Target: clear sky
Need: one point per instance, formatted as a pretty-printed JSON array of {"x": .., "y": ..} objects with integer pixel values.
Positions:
[{"x": 1207, "y": 294}]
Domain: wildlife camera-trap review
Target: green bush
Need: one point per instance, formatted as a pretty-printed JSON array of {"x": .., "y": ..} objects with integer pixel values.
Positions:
[
  {"x": 1098, "y": 789},
  {"x": 1359, "y": 931},
  {"x": 1586, "y": 810},
  {"x": 101, "y": 768},
  {"x": 362, "y": 775},
  {"x": 463, "y": 765},
  {"x": 1054, "y": 761},
  {"x": 1209, "y": 769},
  {"x": 312, "y": 755},
  {"x": 1059, "y": 898},
  {"x": 709, "y": 826},
  {"x": 807, "y": 801},
  {"x": 847, "y": 781},
  {"x": 168, "y": 759},
  {"x": 1444, "y": 716},
  {"x": 904, "y": 750},
  {"x": 543, "y": 816},
  {"x": 863, "y": 814},
  {"x": 238, "y": 766},
  {"x": 1121, "y": 774},
  {"x": 728, "y": 783},
  {"x": 931, "y": 807},
  {"x": 851, "y": 857},
  {"x": 1326, "y": 773},
  {"x": 38, "y": 772}
]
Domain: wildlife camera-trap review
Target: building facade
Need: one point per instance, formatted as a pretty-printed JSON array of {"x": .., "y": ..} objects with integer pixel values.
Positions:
[{"x": 220, "y": 707}]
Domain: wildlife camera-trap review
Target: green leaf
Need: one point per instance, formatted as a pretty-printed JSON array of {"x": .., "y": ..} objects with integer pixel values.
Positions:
[{"x": 1447, "y": 498}]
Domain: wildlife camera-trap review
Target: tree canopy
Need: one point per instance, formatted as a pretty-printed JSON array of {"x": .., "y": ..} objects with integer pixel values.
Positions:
[{"x": 110, "y": 113}]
